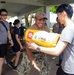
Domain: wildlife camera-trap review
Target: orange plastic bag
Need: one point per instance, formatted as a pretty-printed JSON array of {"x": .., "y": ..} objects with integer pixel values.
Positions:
[{"x": 42, "y": 38}]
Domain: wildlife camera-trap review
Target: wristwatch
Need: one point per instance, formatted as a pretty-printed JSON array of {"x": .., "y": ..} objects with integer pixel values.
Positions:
[{"x": 38, "y": 49}]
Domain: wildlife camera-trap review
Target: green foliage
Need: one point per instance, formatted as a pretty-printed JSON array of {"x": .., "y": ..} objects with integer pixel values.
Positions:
[
  {"x": 27, "y": 23},
  {"x": 53, "y": 8}
]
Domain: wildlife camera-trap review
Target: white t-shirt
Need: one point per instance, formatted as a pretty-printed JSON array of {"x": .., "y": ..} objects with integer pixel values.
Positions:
[{"x": 67, "y": 35}]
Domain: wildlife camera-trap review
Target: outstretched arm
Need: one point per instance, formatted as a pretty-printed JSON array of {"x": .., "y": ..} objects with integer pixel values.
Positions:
[{"x": 52, "y": 51}]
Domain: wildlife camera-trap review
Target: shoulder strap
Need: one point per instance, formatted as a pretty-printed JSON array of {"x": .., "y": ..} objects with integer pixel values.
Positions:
[{"x": 4, "y": 25}]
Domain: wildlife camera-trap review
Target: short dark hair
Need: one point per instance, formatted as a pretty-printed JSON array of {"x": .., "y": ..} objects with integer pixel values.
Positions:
[
  {"x": 3, "y": 10},
  {"x": 10, "y": 23},
  {"x": 16, "y": 21},
  {"x": 67, "y": 8}
]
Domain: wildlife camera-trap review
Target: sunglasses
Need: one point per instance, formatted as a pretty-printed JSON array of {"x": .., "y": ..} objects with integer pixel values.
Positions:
[{"x": 3, "y": 14}]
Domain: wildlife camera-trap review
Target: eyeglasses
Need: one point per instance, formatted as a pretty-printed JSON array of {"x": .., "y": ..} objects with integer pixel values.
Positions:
[{"x": 3, "y": 14}]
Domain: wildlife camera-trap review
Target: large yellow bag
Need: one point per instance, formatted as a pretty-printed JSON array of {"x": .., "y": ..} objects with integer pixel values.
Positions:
[
  {"x": 29, "y": 34},
  {"x": 42, "y": 38}
]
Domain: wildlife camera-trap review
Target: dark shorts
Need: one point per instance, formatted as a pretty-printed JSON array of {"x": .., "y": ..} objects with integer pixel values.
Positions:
[
  {"x": 61, "y": 72},
  {"x": 16, "y": 48},
  {"x": 3, "y": 50}
]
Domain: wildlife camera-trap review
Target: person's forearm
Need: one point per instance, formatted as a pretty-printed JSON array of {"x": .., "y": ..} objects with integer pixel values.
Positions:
[
  {"x": 51, "y": 51},
  {"x": 60, "y": 47},
  {"x": 18, "y": 40},
  {"x": 9, "y": 35},
  {"x": 29, "y": 53}
]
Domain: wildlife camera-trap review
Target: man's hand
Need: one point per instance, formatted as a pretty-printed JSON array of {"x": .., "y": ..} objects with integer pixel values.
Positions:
[
  {"x": 35, "y": 65},
  {"x": 32, "y": 45}
]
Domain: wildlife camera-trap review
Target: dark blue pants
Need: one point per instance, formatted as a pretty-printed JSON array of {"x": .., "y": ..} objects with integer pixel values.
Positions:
[{"x": 61, "y": 72}]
